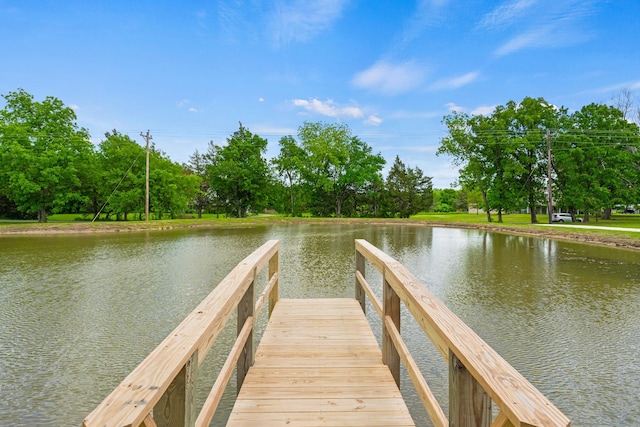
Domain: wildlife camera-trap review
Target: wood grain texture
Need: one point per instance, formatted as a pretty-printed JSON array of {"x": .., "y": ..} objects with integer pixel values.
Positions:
[
  {"x": 132, "y": 401},
  {"x": 517, "y": 398},
  {"x": 318, "y": 364}
]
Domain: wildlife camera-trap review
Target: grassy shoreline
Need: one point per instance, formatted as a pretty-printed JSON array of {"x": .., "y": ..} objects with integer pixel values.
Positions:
[{"x": 512, "y": 224}]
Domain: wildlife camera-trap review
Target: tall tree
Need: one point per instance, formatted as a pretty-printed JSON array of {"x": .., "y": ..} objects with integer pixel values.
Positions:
[
  {"x": 239, "y": 173},
  {"x": 596, "y": 160},
  {"x": 338, "y": 165},
  {"x": 503, "y": 154},
  {"x": 409, "y": 191},
  {"x": 41, "y": 153},
  {"x": 197, "y": 166},
  {"x": 526, "y": 125},
  {"x": 289, "y": 164},
  {"x": 122, "y": 172},
  {"x": 171, "y": 187},
  {"x": 476, "y": 144}
]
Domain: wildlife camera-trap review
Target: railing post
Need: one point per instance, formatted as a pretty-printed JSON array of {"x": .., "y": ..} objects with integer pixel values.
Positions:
[
  {"x": 274, "y": 268},
  {"x": 177, "y": 406},
  {"x": 245, "y": 310},
  {"x": 391, "y": 308},
  {"x": 469, "y": 404},
  {"x": 360, "y": 294}
]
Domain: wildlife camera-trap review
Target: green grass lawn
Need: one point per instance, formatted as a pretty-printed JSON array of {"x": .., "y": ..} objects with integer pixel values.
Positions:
[
  {"x": 61, "y": 221},
  {"x": 617, "y": 220}
]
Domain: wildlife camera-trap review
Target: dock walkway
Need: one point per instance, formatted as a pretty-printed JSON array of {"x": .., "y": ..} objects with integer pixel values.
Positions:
[{"x": 319, "y": 364}]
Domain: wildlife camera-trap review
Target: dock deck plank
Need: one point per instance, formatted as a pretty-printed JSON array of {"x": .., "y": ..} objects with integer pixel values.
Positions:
[{"x": 319, "y": 364}]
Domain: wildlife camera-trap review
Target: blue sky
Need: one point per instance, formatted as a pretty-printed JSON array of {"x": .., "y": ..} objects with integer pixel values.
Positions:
[{"x": 189, "y": 71}]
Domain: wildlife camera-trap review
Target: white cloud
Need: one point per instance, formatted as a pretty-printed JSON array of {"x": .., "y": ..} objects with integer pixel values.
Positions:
[
  {"x": 74, "y": 107},
  {"x": 506, "y": 14},
  {"x": 632, "y": 85},
  {"x": 483, "y": 110},
  {"x": 391, "y": 79},
  {"x": 403, "y": 114},
  {"x": 455, "y": 82},
  {"x": 539, "y": 23},
  {"x": 261, "y": 99},
  {"x": 301, "y": 20},
  {"x": 427, "y": 14},
  {"x": 328, "y": 108},
  {"x": 535, "y": 38},
  {"x": 480, "y": 110},
  {"x": 373, "y": 120},
  {"x": 264, "y": 129},
  {"x": 452, "y": 107},
  {"x": 183, "y": 103},
  {"x": 232, "y": 19}
]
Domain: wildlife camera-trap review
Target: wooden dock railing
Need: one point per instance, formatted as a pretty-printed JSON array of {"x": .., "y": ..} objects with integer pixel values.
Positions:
[
  {"x": 160, "y": 391},
  {"x": 477, "y": 374}
]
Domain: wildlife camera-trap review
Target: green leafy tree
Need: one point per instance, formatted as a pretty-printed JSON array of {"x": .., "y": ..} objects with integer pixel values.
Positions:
[
  {"x": 526, "y": 125},
  {"x": 461, "y": 202},
  {"x": 337, "y": 165},
  {"x": 197, "y": 166},
  {"x": 595, "y": 159},
  {"x": 239, "y": 173},
  {"x": 476, "y": 144},
  {"x": 445, "y": 199},
  {"x": 42, "y": 151},
  {"x": 122, "y": 172},
  {"x": 409, "y": 191},
  {"x": 171, "y": 187},
  {"x": 504, "y": 154},
  {"x": 289, "y": 164}
]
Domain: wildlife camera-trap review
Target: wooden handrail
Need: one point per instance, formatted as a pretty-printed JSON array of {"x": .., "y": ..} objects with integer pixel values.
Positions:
[
  {"x": 164, "y": 381},
  {"x": 521, "y": 404}
]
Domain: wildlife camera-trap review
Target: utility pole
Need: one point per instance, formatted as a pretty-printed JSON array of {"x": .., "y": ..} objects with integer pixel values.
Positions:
[
  {"x": 147, "y": 138},
  {"x": 549, "y": 195}
]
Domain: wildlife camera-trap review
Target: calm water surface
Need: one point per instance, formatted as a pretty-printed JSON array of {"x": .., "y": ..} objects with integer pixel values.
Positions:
[{"x": 78, "y": 313}]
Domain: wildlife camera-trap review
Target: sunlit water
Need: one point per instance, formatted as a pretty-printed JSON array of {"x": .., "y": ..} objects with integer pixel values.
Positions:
[{"x": 78, "y": 313}]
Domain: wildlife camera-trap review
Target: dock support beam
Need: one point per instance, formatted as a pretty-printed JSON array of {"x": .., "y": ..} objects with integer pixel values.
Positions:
[
  {"x": 360, "y": 294},
  {"x": 177, "y": 406},
  {"x": 274, "y": 268},
  {"x": 391, "y": 309},
  {"x": 245, "y": 310},
  {"x": 469, "y": 404}
]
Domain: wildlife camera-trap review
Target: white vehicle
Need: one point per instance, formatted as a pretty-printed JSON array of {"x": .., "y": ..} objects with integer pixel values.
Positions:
[{"x": 563, "y": 217}]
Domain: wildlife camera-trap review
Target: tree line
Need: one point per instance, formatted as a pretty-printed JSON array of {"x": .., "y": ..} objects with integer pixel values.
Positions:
[
  {"x": 49, "y": 165},
  {"x": 591, "y": 155}
]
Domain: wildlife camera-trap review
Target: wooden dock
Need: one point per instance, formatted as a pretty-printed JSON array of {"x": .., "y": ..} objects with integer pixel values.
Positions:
[{"x": 319, "y": 364}]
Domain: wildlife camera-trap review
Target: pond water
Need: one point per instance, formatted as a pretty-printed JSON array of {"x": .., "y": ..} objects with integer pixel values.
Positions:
[{"x": 79, "y": 312}]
